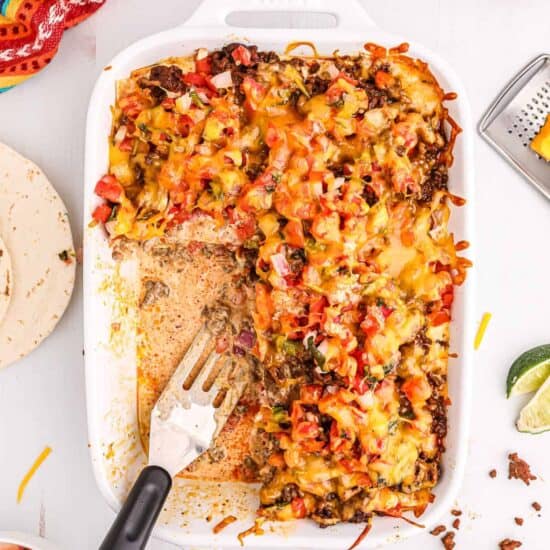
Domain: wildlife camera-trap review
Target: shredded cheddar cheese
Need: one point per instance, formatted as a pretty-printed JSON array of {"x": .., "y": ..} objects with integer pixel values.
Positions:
[
  {"x": 28, "y": 476},
  {"x": 481, "y": 330}
]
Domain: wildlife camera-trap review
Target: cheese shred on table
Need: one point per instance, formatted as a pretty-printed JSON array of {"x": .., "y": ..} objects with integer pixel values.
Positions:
[
  {"x": 332, "y": 172},
  {"x": 33, "y": 469}
]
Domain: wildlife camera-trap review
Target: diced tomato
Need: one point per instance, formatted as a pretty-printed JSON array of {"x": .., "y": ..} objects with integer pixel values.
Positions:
[
  {"x": 439, "y": 317},
  {"x": 294, "y": 233},
  {"x": 108, "y": 188},
  {"x": 298, "y": 507},
  {"x": 102, "y": 213},
  {"x": 132, "y": 105},
  {"x": 204, "y": 65},
  {"x": 195, "y": 79},
  {"x": 370, "y": 325},
  {"x": 184, "y": 124},
  {"x": 305, "y": 430},
  {"x": 382, "y": 79},
  {"x": 311, "y": 393},
  {"x": 168, "y": 103},
  {"x": 127, "y": 144},
  {"x": 386, "y": 311},
  {"x": 242, "y": 55},
  {"x": 360, "y": 384}
]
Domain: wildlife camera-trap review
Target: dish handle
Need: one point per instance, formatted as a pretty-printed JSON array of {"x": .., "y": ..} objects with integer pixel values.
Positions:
[{"x": 348, "y": 14}]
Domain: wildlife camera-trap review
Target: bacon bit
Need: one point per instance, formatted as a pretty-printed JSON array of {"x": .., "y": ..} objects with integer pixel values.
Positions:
[
  {"x": 361, "y": 537},
  {"x": 481, "y": 330},
  {"x": 519, "y": 521},
  {"x": 493, "y": 473},
  {"x": 436, "y": 531},
  {"x": 448, "y": 541},
  {"x": 256, "y": 529},
  {"x": 519, "y": 469},
  {"x": 28, "y": 476},
  {"x": 536, "y": 506},
  {"x": 456, "y": 524},
  {"x": 456, "y": 512},
  {"x": 223, "y": 524},
  {"x": 509, "y": 544}
]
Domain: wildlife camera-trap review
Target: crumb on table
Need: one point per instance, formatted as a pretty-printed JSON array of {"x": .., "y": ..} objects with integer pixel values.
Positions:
[{"x": 519, "y": 469}]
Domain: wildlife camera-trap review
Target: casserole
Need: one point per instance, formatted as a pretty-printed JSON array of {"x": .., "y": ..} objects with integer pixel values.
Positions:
[{"x": 111, "y": 391}]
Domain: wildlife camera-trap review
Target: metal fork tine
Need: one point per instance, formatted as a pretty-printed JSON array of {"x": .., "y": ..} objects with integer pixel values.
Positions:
[
  {"x": 213, "y": 391},
  {"x": 192, "y": 356},
  {"x": 206, "y": 370}
]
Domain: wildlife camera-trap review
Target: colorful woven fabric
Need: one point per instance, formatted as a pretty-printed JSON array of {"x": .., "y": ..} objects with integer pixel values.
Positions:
[{"x": 30, "y": 32}]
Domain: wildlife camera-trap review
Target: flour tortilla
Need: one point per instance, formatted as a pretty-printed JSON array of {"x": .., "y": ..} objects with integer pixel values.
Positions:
[
  {"x": 35, "y": 227},
  {"x": 6, "y": 279}
]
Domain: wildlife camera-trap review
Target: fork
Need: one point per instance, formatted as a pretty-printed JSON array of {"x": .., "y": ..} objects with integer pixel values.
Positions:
[{"x": 190, "y": 413}]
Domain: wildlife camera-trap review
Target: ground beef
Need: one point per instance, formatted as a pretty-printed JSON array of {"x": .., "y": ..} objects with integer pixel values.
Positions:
[
  {"x": 154, "y": 290},
  {"x": 290, "y": 491},
  {"x": 268, "y": 57},
  {"x": 168, "y": 77},
  {"x": 377, "y": 98},
  {"x": 519, "y": 469},
  {"x": 316, "y": 85},
  {"x": 437, "y": 180},
  {"x": 509, "y": 544},
  {"x": 369, "y": 195},
  {"x": 436, "y": 406}
]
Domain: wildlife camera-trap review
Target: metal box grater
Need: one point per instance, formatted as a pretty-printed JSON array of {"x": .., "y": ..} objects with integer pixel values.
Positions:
[{"x": 516, "y": 116}]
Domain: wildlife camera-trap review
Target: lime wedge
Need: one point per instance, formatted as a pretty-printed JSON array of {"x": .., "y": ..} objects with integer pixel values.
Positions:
[
  {"x": 535, "y": 416},
  {"x": 529, "y": 371}
]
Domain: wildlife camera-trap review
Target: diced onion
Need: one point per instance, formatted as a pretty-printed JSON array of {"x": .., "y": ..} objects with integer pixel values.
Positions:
[
  {"x": 120, "y": 135},
  {"x": 332, "y": 70},
  {"x": 183, "y": 103},
  {"x": 204, "y": 98},
  {"x": 280, "y": 264},
  {"x": 202, "y": 53},
  {"x": 222, "y": 80}
]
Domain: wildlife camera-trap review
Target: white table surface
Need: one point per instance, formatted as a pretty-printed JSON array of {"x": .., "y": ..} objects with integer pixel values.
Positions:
[{"x": 42, "y": 398}]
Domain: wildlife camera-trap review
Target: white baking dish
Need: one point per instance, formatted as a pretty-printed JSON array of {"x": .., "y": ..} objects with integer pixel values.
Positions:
[{"x": 111, "y": 356}]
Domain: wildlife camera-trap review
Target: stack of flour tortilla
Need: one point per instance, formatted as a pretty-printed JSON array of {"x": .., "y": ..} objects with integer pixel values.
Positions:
[{"x": 37, "y": 259}]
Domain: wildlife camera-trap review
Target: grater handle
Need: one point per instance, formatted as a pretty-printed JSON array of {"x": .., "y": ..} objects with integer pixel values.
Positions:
[
  {"x": 213, "y": 13},
  {"x": 135, "y": 521}
]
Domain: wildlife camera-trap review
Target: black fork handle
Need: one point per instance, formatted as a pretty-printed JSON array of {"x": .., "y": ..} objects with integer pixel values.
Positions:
[{"x": 135, "y": 521}]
